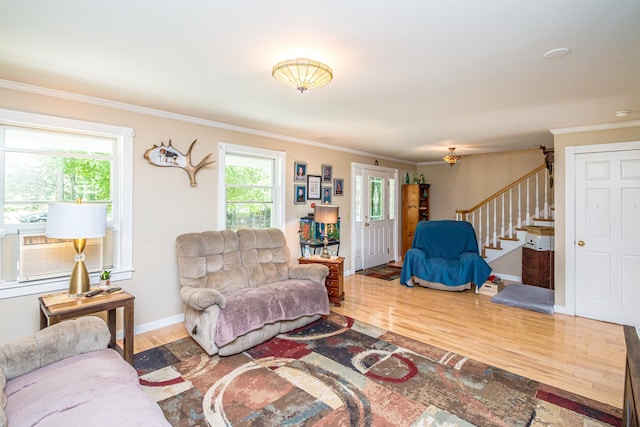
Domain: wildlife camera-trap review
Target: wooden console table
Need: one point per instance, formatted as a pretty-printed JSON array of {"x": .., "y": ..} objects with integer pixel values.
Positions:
[{"x": 57, "y": 307}]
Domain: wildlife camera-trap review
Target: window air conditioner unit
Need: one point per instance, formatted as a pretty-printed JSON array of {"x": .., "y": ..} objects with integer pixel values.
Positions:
[{"x": 41, "y": 257}]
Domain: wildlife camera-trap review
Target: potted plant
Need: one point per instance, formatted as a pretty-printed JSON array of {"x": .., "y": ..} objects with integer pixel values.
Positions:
[{"x": 105, "y": 279}]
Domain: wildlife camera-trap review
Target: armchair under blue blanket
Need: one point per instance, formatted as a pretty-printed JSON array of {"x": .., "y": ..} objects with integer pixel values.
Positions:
[{"x": 444, "y": 256}]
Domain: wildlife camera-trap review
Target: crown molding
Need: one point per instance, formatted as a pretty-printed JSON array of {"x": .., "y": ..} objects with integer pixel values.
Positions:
[
  {"x": 591, "y": 128},
  {"x": 54, "y": 93}
]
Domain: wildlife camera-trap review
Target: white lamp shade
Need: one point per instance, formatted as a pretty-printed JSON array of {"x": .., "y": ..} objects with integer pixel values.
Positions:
[
  {"x": 76, "y": 220},
  {"x": 325, "y": 214}
]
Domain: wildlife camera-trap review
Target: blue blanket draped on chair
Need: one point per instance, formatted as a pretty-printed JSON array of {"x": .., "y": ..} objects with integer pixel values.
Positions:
[{"x": 445, "y": 252}]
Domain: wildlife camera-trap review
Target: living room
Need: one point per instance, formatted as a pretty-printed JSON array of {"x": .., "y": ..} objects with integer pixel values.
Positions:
[{"x": 165, "y": 205}]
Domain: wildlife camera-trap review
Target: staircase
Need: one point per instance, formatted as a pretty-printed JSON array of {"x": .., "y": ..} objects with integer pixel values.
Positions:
[{"x": 500, "y": 220}]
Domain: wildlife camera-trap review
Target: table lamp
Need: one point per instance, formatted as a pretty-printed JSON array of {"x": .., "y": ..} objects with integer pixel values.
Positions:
[
  {"x": 77, "y": 221},
  {"x": 325, "y": 214}
]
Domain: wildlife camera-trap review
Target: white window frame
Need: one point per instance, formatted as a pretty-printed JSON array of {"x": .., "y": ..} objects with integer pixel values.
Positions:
[
  {"x": 279, "y": 158},
  {"x": 122, "y": 188}
]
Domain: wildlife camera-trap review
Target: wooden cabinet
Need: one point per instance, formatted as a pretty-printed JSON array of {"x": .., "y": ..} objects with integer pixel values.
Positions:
[
  {"x": 631, "y": 405},
  {"x": 415, "y": 208},
  {"x": 335, "y": 279},
  {"x": 537, "y": 268}
]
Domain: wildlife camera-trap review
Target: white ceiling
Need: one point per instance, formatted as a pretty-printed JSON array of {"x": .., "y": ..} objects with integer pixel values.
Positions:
[{"x": 411, "y": 78}]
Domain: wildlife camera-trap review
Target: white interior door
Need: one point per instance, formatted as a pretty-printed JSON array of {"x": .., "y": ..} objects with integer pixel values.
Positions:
[
  {"x": 377, "y": 244},
  {"x": 607, "y": 236}
]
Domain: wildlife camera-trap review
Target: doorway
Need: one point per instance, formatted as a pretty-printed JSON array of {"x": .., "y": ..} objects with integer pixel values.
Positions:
[
  {"x": 603, "y": 230},
  {"x": 374, "y": 220}
]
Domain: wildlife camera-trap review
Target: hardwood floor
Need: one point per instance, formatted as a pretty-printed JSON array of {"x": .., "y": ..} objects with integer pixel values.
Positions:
[{"x": 579, "y": 355}]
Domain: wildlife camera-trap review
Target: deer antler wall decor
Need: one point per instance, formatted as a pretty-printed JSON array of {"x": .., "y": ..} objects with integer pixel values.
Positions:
[{"x": 167, "y": 156}]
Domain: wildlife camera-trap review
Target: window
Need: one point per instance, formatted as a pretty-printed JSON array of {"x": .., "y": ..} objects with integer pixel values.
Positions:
[
  {"x": 392, "y": 198},
  {"x": 358, "y": 198},
  {"x": 376, "y": 198},
  {"x": 47, "y": 159},
  {"x": 251, "y": 182}
]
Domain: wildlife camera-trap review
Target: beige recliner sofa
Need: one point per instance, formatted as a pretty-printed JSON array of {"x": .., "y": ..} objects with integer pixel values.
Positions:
[{"x": 239, "y": 288}]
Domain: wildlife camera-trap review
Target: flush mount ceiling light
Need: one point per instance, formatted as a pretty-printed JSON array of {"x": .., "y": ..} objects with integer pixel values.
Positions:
[
  {"x": 302, "y": 74},
  {"x": 557, "y": 53},
  {"x": 622, "y": 113},
  {"x": 451, "y": 158}
]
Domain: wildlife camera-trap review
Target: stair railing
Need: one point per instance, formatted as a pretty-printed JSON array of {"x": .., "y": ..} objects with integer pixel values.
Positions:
[{"x": 520, "y": 203}]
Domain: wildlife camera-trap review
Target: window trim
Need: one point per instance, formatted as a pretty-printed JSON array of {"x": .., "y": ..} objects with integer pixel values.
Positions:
[
  {"x": 280, "y": 159},
  {"x": 122, "y": 224}
]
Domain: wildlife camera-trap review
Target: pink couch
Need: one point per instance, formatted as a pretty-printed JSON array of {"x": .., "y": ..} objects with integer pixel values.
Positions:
[{"x": 65, "y": 375}]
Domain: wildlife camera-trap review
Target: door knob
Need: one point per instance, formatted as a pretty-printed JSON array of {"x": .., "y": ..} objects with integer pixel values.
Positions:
[{"x": 581, "y": 243}]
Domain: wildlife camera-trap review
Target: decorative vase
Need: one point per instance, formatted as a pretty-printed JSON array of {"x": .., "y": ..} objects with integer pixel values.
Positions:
[{"x": 406, "y": 180}]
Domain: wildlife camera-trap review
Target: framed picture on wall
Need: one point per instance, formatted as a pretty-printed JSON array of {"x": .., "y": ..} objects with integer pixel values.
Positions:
[
  {"x": 299, "y": 194},
  {"x": 326, "y": 195},
  {"x": 313, "y": 187},
  {"x": 327, "y": 173},
  {"x": 338, "y": 187},
  {"x": 300, "y": 171}
]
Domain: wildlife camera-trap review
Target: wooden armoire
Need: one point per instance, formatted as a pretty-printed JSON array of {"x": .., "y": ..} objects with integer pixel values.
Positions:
[{"x": 415, "y": 208}]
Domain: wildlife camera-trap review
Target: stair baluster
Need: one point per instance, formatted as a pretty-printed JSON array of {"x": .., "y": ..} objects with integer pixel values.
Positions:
[{"x": 486, "y": 221}]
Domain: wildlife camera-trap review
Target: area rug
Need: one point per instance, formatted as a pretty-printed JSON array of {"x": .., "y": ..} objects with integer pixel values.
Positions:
[
  {"x": 385, "y": 272},
  {"x": 527, "y": 297},
  {"x": 341, "y": 372}
]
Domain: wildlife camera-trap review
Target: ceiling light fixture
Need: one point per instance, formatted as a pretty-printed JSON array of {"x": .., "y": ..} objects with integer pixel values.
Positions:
[
  {"x": 451, "y": 158},
  {"x": 302, "y": 74},
  {"x": 557, "y": 53},
  {"x": 622, "y": 113}
]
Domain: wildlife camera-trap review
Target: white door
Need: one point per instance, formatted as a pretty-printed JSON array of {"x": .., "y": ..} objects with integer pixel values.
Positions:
[
  {"x": 374, "y": 221},
  {"x": 607, "y": 236},
  {"x": 377, "y": 246}
]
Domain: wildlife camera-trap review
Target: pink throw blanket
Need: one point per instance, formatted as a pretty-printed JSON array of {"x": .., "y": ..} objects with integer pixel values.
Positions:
[{"x": 251, "y": 308}]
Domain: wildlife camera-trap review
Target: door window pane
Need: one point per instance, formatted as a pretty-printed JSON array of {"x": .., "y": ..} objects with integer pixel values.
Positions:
[
  {"x": 376, "y": 199},
  {"x": 358, "y": 198},
  {"x": 392, "y": 198}
]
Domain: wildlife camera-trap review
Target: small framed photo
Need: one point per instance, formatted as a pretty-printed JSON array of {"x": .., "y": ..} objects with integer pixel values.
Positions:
[
  {"x": 300, "y": 194},
  {"x": 338, "y": 187},
  {"x": 300, "y": 171},
  {"x": 314, "y": 183},
  {"x": 326, "y": 195},
  {"x": 327, "y": 173}
]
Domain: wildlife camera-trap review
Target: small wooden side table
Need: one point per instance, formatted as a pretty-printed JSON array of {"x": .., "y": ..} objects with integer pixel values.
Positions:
[
  {"x": 335, "y": 280},
  {"x": 57, "y": 307},
  {"x": 537, "y": 268}
]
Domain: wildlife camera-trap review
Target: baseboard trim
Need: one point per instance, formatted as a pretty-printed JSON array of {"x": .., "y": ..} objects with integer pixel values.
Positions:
[
  {"x": 508, "y": 277},
  {"x": 152, "y": 326}
]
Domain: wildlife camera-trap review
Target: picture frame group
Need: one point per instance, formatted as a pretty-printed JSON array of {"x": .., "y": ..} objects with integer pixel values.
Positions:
[{"x": 321, "y": 187}]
